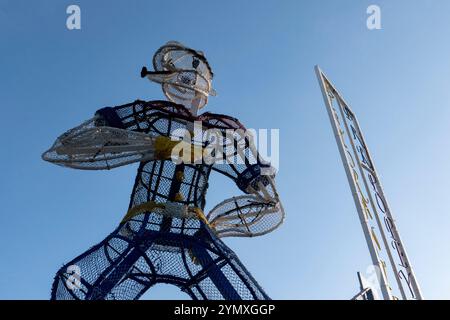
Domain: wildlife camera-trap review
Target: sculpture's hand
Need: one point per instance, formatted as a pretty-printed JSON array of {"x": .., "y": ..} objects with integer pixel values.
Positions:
[{"x": 255, "y": 214}]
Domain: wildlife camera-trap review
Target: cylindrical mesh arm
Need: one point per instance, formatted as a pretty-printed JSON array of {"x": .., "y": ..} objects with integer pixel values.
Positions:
[
  {"x": 92, "y": 147},
  {"x": 117, "y": 136},
  {"x": 248, "y": 215},
  {"x": 258, "y": 212}
]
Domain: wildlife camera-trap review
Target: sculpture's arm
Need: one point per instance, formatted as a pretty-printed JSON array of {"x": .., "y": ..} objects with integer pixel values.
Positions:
[
  {"x": 117, "y": 136},
  {"x": 259, "y": 211},
  {"x": 255, "y": 214},
  {"x": 151, "y": 117}
]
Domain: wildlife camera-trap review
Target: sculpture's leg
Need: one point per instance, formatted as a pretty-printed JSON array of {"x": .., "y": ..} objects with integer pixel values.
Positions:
[
  {"x": 214, "y": 273},
  {"x": 224, "y": 275},
  {"x": 93, "y": 274},
  {"x": 124, "y": 266},
  {"x": 201, "y": 265}
]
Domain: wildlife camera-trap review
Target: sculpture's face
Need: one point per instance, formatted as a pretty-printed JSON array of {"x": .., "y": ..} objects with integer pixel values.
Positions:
[{"x": 185, "y": 75}]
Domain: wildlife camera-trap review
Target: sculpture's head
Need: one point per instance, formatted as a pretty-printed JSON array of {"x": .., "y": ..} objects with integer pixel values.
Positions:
[{"x": 184, "y": 73}]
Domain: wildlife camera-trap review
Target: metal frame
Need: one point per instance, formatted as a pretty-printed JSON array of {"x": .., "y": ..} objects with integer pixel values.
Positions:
[{"x": 370, "y": 201}]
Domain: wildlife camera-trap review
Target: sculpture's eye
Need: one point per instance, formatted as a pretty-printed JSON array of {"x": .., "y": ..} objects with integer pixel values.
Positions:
[{"x": 195, "y": 63}]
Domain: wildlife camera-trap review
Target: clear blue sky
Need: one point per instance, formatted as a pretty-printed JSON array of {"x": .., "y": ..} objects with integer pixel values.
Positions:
[{"x": 263, "y": 52}]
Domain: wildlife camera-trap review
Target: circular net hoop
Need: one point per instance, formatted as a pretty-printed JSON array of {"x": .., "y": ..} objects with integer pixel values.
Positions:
[{"x": 184, "y": 73}]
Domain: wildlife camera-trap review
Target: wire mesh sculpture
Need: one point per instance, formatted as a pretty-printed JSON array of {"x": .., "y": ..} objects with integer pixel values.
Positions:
[{"x": 165, "y": 237}]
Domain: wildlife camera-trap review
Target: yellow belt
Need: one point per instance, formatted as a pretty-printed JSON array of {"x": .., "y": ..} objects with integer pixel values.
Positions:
[{"x": 152, "y": 205}]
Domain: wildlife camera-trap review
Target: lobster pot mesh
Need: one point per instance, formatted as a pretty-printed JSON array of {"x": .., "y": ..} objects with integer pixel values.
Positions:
[
  {"x": 245, "y": 216},
  {"x": 92, "y": 147}
]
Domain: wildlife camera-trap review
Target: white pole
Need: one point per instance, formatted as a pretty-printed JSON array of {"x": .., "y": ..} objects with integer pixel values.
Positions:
[
  {"x": 371, "y": 200},
  {"x": 350, "y": 172},
  {"x": 410, "y": 277},
  {"x": 404, "y": 270}
]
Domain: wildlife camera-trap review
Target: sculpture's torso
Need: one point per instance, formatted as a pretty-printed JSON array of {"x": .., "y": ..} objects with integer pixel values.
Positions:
[{"x": 162, "y": 181}]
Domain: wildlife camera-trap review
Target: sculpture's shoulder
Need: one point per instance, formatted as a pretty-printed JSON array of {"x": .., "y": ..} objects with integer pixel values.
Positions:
[
  {"x": 145, "y": 116},
  {"x": 156, "y": 106},
  {"x": 140, "y": 115},
  {"x": 220, "y": 121}
]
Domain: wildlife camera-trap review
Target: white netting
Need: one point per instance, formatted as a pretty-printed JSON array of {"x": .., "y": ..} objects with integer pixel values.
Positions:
[
  {"x": 95, "y": 148},
  {"x": 245, "y": 216}
]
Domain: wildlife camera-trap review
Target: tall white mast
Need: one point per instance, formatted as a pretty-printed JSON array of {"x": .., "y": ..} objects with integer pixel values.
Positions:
[{"x": 371, "y": 204}]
